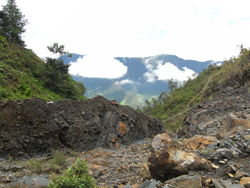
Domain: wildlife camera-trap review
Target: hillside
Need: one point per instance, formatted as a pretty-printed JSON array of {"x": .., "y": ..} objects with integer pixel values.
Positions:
[
  {"x": 208, "y": 84},
  {"x": 141, "y": 81},
  {"x": 24, "y": 75}
]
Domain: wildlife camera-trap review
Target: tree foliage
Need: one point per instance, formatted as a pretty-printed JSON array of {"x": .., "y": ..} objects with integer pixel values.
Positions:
[
  {"x": 12, "y": 23},
  {"x": 56, "y": 75},
  {"x": 172, "y": 84},
  {"x": 58, "y": 50}
]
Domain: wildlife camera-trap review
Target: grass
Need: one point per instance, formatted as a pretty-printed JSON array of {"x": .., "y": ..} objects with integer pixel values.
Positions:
[
  {"x": 34, "y": 165},
  {"x": 56, "y": 164},
  {"x": 59, "y": 158}
]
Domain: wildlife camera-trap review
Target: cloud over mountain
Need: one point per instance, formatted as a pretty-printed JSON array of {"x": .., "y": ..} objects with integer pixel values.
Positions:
[
  {"x": 98, "y": 67},
  {"x": 126, "y": 81},
  {"x": 161, "y": 71}
]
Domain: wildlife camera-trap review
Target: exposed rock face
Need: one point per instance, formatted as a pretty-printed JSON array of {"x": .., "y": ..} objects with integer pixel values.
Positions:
[
  {"x": 220, "y": 117},
  {"x": 168, "y": 159},
  {"x": 32, "y": 126}
]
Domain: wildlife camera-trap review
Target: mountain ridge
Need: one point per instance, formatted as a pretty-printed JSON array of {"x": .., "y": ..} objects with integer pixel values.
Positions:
[{"x": 135, "y": 82}]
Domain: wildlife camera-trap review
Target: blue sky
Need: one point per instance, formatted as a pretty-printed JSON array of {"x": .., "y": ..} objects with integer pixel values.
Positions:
[{"x": 194, "y": 29}]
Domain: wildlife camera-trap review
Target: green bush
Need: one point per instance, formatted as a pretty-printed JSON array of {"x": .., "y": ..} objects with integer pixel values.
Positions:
[{"x": 76, "y": 176}]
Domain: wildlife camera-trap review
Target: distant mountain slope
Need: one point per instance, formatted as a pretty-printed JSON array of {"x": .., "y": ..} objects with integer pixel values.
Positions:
[
  {"x": 135, "y": 85},
  {"x": 108, "y": 89}
]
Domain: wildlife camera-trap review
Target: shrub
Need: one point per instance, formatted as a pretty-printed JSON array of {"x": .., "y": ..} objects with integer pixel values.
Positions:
[{"x": 76, "y": 176}]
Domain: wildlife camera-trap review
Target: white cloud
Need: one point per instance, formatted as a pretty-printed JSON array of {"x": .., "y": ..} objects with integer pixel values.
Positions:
[
  {"x": 167, "y": 71},
  {"x": 98, "y": 67},
  {"x": 126, "y": 81},
  {"x": 198, "y": 30}
]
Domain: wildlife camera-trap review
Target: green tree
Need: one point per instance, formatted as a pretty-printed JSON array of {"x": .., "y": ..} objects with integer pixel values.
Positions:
[
  {"x": 57, "y": 78},
  {"x": 172, "y": 85},
  {"x": 12, "y": 23},
  {"x": 58, "y": 50}
]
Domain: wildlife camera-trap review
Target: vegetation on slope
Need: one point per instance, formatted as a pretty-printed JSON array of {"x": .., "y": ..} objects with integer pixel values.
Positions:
[
  {"x": 24, "y": 75},
  {"x": 234, "y": 73}
]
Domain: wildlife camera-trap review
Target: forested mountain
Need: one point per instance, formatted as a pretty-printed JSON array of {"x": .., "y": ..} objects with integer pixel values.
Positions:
[{"x": 140, "y": 83}]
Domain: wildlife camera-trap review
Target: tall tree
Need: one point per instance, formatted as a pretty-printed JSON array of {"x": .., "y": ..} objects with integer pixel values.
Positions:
[{"x": 12, "y": 23}]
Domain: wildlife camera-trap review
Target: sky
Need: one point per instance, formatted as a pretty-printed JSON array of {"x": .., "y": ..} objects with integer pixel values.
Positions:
[{"x": 194, "y": 29}]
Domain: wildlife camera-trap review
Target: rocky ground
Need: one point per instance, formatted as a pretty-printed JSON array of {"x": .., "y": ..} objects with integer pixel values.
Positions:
[
  {"x": 211, "y": 149},
  {"x": 110, "y": 167}
]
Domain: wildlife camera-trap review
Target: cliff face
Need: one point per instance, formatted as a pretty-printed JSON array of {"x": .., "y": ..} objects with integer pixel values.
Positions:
[{"x": 33, "y": 127}]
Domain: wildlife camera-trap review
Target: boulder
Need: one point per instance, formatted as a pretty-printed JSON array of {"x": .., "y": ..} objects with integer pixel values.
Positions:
[{"x": 169, "y": 159}]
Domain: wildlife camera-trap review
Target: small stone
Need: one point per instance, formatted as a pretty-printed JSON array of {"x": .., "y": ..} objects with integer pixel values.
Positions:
[
  {"x": 236, "y": 186},
  {"x": 185, "y": 181},
  {"x": 154, "y": 184},
  {"x": 230, "y": 175},
  {"x": 239, "y": 174},
  {"x": 145, "y": 173},
  {"x": 97, "y": 174},
  {"x": 226, "y": 183},
  {"x": 127, "y": 186},
  {"x": 247, "y": 185},
  {"x": 244, "y": 180},
  {"x": 222, "y": 162},
  {"x": 145, "y": 184},
  {"x": 217, "y": 183},
  {"x": 214, "y": 166},
  {"x": 247, "y": 137},
  {"x": 124, "y": 182}
]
